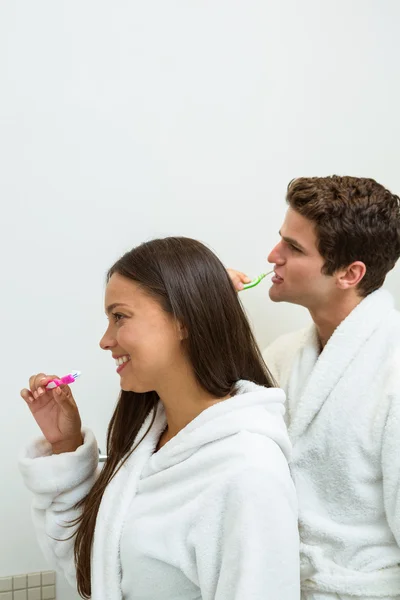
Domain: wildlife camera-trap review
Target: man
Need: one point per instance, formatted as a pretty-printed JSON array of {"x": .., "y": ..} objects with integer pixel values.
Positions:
[{"x": 340, "y": 238}]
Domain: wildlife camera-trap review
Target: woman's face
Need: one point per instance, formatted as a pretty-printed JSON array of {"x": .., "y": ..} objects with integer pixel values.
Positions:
[{"x": 145, "y": 341}]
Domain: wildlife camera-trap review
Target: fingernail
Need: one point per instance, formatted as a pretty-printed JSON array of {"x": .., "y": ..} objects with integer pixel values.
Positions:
[
  {"x": 58, "y": 391},
  {"x": 35, "y": 394},
  {"x": 240, "y": 286},
  {"x": 40, "y": 391}
]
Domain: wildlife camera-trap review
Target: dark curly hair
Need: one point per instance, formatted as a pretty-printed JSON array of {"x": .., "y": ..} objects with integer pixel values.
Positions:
[{"x": 355, "y": 219}]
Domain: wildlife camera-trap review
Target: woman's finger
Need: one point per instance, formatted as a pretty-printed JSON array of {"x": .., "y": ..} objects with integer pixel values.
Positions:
[{"x": 27, "y": 396}]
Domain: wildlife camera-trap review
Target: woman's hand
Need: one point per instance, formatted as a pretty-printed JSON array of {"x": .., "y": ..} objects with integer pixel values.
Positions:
[{"x": 56, "y": 413}]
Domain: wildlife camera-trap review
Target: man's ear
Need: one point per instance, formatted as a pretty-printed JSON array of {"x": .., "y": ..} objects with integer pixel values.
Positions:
[{"x": 351, "y": 276}]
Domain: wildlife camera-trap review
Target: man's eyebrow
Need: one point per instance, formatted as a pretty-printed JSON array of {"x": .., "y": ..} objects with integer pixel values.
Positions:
[
  {"x": 290, "y": 240},
  {"x": 112, "y": 307}
]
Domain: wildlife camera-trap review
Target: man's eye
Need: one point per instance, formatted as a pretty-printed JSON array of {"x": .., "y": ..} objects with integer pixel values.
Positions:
[{"x": 294, "y": 248}]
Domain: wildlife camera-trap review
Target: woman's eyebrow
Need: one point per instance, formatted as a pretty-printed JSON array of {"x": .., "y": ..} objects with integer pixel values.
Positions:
[{"x": 112, "y": 307}]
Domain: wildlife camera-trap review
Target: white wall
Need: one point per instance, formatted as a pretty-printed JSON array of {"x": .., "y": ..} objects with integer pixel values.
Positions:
[{"x": 125, "y": 120}]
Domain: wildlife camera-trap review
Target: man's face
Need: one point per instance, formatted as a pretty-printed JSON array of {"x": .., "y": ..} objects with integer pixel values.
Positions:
[{"x": 298, "y": 266}]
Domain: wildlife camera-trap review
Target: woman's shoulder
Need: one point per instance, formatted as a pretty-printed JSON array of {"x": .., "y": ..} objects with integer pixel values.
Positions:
[
  {"x": 245, "y": 454},
  {"x": 249, "y": 469},
  {"x": 258, "y": 452}
]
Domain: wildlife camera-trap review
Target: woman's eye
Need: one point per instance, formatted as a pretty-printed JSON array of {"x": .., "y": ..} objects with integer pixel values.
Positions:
[{"x": 117, "y": 317}]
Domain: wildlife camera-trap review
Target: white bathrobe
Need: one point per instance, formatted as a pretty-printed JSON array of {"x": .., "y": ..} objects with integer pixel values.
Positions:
[
  {"x": 212, "y": 515},
  {"x": 343, "y": 414}
]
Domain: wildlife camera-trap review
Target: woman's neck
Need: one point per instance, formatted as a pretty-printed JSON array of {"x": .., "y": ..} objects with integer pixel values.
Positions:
[{"x": 183, "y": 399}]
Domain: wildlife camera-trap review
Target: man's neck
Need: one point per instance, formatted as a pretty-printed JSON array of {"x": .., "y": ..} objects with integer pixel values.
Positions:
[{"x": 328, "y": 318}]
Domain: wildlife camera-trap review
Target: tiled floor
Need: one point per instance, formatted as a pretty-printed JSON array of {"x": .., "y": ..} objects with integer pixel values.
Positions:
[{"x": 31, "y": 586}]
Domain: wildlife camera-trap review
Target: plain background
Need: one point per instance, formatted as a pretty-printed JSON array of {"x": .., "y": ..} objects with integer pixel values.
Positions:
[{"x": 125, "y": 120}]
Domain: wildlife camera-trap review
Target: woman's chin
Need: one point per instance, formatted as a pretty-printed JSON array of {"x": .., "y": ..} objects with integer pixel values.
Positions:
[{"x": 127, "y": 386}]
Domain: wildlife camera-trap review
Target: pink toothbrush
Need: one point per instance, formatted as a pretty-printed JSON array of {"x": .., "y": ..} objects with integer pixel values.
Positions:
[{"x": 70, "y": 378}]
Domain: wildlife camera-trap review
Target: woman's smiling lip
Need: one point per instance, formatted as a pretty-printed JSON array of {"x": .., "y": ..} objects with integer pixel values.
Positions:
[
  {"x": 118, "y": 357},
  {"x": 119, "y": 369}
]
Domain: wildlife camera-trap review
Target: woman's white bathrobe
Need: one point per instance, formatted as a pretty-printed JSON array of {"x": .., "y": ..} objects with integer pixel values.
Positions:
[
  {"x": 343, "y": 414},
  {"x": 212, "y": 515}
]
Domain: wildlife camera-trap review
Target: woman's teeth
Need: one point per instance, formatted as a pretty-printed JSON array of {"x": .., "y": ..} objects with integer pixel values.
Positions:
[{"x": 121, "y": 360}]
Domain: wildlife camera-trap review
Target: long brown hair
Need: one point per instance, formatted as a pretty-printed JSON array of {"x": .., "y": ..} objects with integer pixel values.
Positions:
[{"x": 190, "y": 283}]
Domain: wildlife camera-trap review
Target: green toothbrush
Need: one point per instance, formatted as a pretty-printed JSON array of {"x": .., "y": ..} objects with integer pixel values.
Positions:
[{"x": 256, "y": 281}]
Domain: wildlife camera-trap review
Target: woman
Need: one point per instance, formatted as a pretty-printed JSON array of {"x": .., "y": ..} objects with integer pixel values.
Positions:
[{"x": 195, "y": 500}]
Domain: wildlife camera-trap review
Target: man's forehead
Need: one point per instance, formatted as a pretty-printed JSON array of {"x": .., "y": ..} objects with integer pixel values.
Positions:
[
  {"x": 300, "y": 231},
  {"x": 296, "y": 224}
]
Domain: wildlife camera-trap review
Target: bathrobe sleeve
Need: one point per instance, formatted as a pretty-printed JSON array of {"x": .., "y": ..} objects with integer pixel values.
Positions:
[
  {"x": 246, "y": 541},
  {"x": 391, "y": 464},
  {"x": 58, "y": 482}
]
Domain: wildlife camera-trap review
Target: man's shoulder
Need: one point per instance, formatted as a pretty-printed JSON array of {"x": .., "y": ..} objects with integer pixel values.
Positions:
[
  {"x": 395, "y": 321},
  {"x": 392, "y": 346},
  {"x": 283, "y": 343},
  {"x": 281, "y": 352}
]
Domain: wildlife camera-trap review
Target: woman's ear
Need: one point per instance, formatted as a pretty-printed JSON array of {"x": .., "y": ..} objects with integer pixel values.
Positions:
[{"x": 182, "y": 331}]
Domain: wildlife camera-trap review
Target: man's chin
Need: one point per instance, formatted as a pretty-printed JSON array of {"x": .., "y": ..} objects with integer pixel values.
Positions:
[{"x": 275, "y": 296}]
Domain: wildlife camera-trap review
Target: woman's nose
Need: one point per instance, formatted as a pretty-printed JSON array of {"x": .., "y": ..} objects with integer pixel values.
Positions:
[{"x": 107, "y": 341}]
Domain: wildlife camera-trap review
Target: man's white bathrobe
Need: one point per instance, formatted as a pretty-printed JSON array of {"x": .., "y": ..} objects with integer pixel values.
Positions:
[
  {"x": 343, "y": 413},
  {"x": 211, "y": 516}
]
